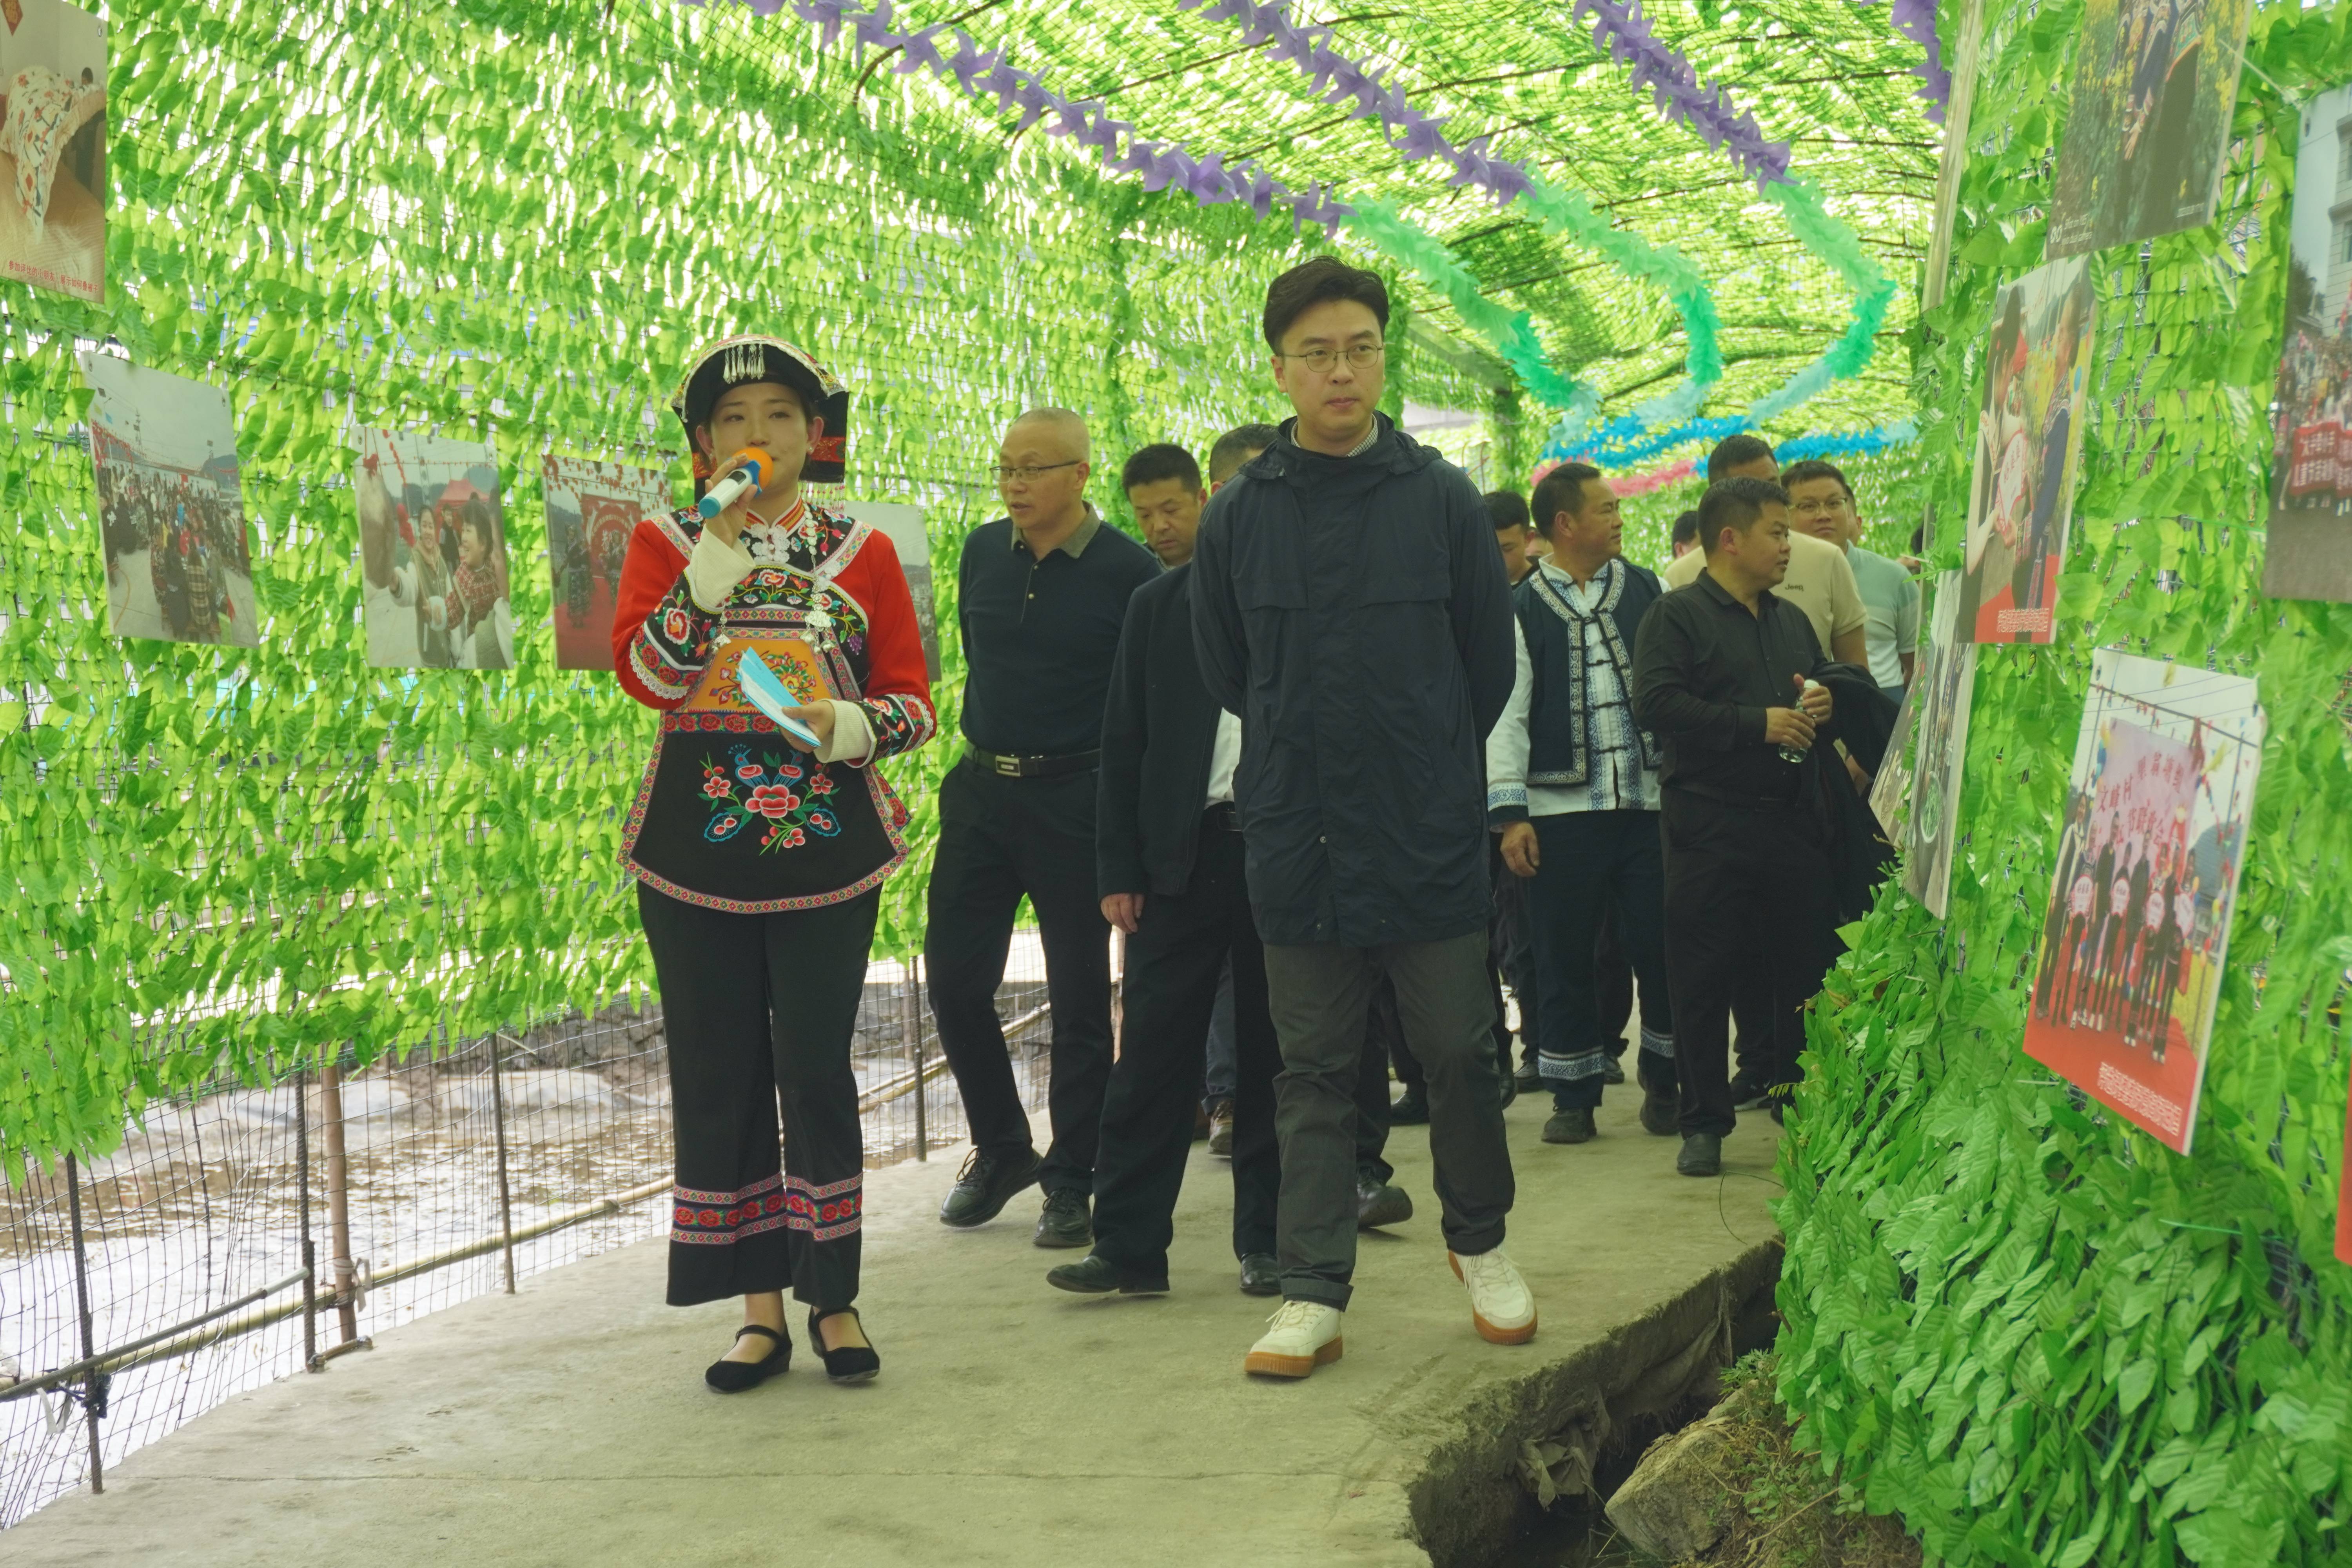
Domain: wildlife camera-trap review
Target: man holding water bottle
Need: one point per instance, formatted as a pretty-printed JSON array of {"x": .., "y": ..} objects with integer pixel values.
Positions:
[{"x": 1724, "y": 674}]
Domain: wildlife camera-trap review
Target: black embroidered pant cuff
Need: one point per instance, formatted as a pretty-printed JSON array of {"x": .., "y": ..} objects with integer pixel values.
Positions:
[{"x": 760, "y": 1009}]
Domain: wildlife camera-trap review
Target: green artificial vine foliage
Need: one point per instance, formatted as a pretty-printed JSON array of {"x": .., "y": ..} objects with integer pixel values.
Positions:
[
  {"x": 507, "y": 220},
  {"x": 2032, "y": 1331}
]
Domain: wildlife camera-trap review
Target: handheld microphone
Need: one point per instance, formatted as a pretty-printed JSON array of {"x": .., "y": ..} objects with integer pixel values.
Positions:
[{"x": 747, "y": 478}]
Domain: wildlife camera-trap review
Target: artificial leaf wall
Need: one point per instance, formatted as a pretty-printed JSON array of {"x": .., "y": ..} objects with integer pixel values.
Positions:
[{"x": 2033, "y": 1331}]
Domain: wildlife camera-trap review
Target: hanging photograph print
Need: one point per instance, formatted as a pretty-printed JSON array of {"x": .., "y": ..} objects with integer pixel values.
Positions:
[
  {"x": 2156, "y": 82},
  {"x": 433, "y": 554},
  {"x": 593, "y": 508},
  {"x": 2309, "y": 551},
  {"x": 904, "y": 525},
  {"x": 2029, "y": 434},
  {"x": 53, "y": 148},
  {"x": 2137, "y": 925},
  {"x": 1916, "y": 795},
  {"x": 179, "y": 563}
]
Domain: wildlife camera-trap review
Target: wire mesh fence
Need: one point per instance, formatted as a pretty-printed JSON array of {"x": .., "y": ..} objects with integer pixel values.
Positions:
[{"x": 169, "y": 1275}]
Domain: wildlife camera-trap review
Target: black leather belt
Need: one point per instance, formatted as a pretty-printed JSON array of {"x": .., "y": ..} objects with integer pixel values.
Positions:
[
  {"x": 1031, "y": 767},
  {"x": 1221, "y": 815}
]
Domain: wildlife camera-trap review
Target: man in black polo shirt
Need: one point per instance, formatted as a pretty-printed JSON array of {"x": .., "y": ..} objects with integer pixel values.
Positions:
[
  {"x": 1041, "y": 595},
  {"x": 1721, "y": 669}
]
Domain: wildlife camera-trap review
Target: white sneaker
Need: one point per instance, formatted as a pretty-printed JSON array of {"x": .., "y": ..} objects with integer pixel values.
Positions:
[
  {"x": 1304, "y": 1335},
  {"x": 1501, "y": 1306}
]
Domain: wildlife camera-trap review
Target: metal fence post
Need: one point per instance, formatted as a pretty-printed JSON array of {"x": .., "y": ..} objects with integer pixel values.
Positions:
[
  {"x": 93, "y": 1384},
  {"x": 505, "y": 1206},
  {"x": 913, "y": 996},
  {"x": 339, "y": 1211},
  {"x": 302, "y": 1207}
]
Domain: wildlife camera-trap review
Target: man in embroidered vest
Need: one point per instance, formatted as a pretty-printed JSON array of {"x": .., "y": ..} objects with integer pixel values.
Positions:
[{"x": 1573, "y": 786}]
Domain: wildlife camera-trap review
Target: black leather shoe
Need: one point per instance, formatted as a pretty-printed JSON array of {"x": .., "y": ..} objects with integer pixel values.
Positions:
[
  {"x": 1410, "y": 1110},
  {"x": 985, "y": 1184},
  {"x": 735, "y": 1376},
  {"x": 1378, "y": 1204},
  {"x": 1095, "y": 1275},
  {"x": 1660, "y": 1112},
  {"x": 1612, "y": 1070},
  {"x": 850, "y": 1363},
  {"x": 1261, "y": 1275},
  {"x": 1702, "y": 1156},
  {"x": 1510, "y": 1089},
  {"x": 1570, "y": 1126},
  {"x": 1064, "y": 1222},
  {"x": 1529, "y": 1075},
  {"x": 1746, "y": 1093}
]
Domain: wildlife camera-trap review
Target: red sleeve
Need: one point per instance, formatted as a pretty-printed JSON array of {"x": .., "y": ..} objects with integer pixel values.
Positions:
[
  {"x": 661, "y": 637},
  {"x": 897, "y": 697}
]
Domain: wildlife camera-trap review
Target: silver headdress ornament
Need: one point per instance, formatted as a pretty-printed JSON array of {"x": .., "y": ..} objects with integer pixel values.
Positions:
[{"x": 743, "y": 362}]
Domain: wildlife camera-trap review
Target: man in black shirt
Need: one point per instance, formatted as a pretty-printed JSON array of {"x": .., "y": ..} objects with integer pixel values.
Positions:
[
  {"x": 1720, "y": 674},
  {"x": 1168, "y": 849},
  {"x": 1041, "y": 595}
]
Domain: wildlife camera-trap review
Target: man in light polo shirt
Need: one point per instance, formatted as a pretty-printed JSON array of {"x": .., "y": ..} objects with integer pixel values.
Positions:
[
  {"x": 1820, "y": 582},
  {"x": 1821, "y": 503}
]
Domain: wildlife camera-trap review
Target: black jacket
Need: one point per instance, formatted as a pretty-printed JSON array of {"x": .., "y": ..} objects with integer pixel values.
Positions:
[
  {"x": 1862, "y": 716},
  {"x": 1159, "y": 738},
  {"x": 1353, "y": 611}
]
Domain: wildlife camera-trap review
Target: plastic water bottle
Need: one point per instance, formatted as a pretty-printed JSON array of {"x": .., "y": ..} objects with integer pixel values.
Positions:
[{"x": 1797, "y": 754}]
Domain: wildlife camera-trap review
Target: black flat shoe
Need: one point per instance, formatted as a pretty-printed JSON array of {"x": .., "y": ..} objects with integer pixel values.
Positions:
[
  {"x": 1261, "y": 1275},
  {"x": 850, "y": 1363},
  {"x": 735, "y": 1376}
]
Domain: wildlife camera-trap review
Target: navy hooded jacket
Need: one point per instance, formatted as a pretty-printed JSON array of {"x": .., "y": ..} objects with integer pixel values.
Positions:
[{"x": 1354, "y": 613}]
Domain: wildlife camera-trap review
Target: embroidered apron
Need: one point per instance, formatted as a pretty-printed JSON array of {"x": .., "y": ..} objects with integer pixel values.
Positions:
[{"x": 729, "y": 815}]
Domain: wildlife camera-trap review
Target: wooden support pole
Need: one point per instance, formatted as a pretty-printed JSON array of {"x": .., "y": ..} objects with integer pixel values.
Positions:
[{"x": 93, "y": 1387}]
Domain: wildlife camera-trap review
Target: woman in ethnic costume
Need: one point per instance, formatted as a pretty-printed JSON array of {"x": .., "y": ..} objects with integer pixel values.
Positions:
[{"x": 759, "y": 864}]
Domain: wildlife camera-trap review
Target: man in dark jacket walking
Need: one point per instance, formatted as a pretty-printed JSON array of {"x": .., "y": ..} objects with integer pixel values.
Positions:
[
  {"x": 1169, "y": 864},
  {"x": 1350, "y": 604}
]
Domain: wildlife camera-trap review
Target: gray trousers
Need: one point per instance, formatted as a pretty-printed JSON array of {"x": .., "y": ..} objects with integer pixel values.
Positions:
[{"x": 1319, "y": 995}]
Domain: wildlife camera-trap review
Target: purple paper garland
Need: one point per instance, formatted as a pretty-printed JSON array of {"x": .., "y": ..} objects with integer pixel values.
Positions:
[
  {"x": 1623, "y": 33},
  {"x": 1915, "y": 20},
  {"x": 988, "y": 73}
]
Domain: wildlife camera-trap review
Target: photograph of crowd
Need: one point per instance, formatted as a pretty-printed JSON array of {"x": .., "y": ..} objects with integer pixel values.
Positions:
[
  {"x": 2155, "y": 84},
  {"x": 2310, "y": 544},
  {"x": 593, "y": 508},
  {"x": 53, "y": 147},
  {"x": 433, "y": 554},
  {"x": 1916, "y": 794},
  {"x": 2139, "y": 918},
  {"x": 179, "y": 563},
  {"x": 2028, "y": 439}
]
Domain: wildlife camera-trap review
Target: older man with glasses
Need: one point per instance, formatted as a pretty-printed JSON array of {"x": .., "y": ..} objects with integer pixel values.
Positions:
[{"x": 1041, "y": 596}]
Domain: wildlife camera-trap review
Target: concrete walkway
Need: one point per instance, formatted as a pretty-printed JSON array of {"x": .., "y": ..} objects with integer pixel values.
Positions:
[{"x": 1012, "y": 1424}]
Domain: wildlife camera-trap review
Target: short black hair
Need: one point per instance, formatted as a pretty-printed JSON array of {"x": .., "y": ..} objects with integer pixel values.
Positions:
[
  {"x": 1238, "y": 445},
  {"x": 1813, "y": 469},
  {"x": 1310, "y": 283},
  {"x": 1507, "y": 508},
  {"x": 1732, "y": 452},
  {"x": 1686, "y": 528},
  {"x": 1162, "y": 461},
  {"x": 1562, "y": 490},
  {"x": 1734, "y": 504}
]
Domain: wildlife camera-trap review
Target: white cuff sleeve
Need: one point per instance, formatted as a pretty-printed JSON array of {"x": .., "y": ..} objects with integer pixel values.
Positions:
[
  {"x": 853, "y": 737},
  {"x": 713, "y": 570}
]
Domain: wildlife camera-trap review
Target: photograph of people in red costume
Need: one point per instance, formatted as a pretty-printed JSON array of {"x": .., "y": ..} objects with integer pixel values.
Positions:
[
  {"x": 2027, "y": 435},
  {"x": 2138, "y": 924}
]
